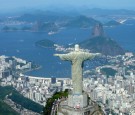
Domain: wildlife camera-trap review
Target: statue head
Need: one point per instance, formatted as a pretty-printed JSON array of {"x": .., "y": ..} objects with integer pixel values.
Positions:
[{"x": 77, "y": 47}]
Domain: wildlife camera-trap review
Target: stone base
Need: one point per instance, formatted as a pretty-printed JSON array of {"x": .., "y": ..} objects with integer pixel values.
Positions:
[
  {"x": 76, "y": 101},
  {"x": 78, "y": 105},
  {"x": 89, "y": 110},
  {"x": 67, "y": 107}
]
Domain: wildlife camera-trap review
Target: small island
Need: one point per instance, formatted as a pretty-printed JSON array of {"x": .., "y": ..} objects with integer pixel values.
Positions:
[{"x": 45, "y": 43}]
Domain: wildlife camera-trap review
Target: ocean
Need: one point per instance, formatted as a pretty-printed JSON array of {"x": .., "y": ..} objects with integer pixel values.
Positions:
[{"x": 22, "y": 45}]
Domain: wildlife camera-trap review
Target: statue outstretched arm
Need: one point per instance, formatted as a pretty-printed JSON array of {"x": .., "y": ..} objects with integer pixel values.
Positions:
[
  {"x": 91, "y": 55},
  {"x": 64, "y": 56},
  {"x": 97, "y": 54},
  {"x": 56, "y": 54}
]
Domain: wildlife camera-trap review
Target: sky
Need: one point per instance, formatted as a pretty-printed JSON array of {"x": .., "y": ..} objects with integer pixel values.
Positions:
[{"x": 11, "y": 5}]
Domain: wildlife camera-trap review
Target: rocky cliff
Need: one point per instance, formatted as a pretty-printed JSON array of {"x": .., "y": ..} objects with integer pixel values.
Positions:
[{"x": 101, "y": 43}]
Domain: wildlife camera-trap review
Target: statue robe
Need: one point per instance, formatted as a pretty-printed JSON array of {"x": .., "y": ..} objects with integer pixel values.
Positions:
[{"x": 77, "y": 59}]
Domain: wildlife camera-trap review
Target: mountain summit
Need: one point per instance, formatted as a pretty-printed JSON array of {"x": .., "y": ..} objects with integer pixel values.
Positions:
[
  {"x": 98, "y": 30},
  {"x": 101, "y": 43}
]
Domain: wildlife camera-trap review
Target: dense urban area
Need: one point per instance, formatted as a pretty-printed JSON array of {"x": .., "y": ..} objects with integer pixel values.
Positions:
[{"x": 111, "y": 85}]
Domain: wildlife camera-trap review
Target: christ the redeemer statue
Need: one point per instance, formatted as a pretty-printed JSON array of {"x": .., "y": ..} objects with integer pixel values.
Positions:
[{"x": 77, "y": 58}]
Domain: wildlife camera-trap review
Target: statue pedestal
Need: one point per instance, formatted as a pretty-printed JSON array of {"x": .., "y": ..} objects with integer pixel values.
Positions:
[
  {"x": 75, "y": 105},
  {"x": 64, "y": 109},
  {"x": 78, "y": 101},
  {"x": 78, "y": 105}
]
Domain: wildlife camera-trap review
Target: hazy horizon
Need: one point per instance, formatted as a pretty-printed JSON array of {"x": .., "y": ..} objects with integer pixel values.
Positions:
[{"x": 18, "y": 5}]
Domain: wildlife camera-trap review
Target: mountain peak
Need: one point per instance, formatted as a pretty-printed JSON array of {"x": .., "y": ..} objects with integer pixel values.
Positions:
[
  {"x": 97, "y": 30},
  {"x": 101, "y": 43}
]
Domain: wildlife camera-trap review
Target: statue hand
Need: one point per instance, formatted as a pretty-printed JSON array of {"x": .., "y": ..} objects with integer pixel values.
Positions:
[
  {"x": 98, "y": 54},
  {"x": 56, "y": 54}
]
